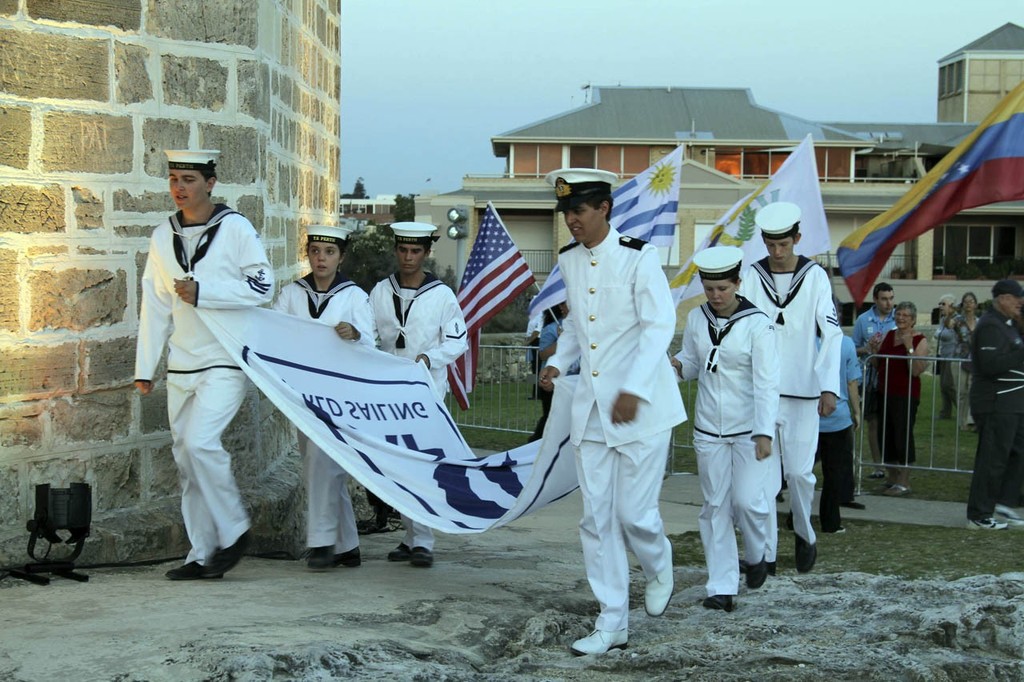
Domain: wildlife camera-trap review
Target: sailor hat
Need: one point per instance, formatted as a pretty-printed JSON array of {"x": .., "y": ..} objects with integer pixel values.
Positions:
[
  {"x": 719, "y": 262},
  {"x": 192, "y": 159},
  {"x": 328, "y": 234},
  {"x": 574, "y": 185},
  {"x": 779, "y": 220},
  {"x": 414, "y": 233}
]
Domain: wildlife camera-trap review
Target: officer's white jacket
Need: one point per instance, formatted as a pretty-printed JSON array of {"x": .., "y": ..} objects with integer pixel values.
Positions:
[
  {"x": 428, "y": 319},
  {"x": 343, "y": 301},
  {"x": 227, "y": 261},
  {"x": 736, "y": 367},
  {"x": 800, "y": 315},
  {"x": 620, "y": 324}
]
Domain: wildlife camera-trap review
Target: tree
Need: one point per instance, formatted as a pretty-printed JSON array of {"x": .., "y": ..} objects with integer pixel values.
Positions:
[
  {"x": 370, "y": 257},
  {"x": 405, "y": 208},
  {"x": 358, "y": 192}
]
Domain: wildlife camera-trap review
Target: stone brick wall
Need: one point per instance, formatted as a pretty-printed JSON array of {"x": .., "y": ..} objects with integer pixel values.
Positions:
[{"x": 90, "y": 96}]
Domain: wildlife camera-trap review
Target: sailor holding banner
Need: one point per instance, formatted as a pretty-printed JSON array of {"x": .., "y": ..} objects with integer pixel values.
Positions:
[
  {"x": 330, "y": 298},
  {"x": 418, "y": 317}
]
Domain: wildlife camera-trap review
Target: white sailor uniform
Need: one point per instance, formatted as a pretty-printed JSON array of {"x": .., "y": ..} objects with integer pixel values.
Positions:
[
  {"x": 800, "y": 306},
  {"x": 736, "y": 367},
  {"x": 204, "y": 386},
  {"x": 620, "y": 324},
  {"x": 331, "y": 520},
  {"x": 425, "y": 321}
]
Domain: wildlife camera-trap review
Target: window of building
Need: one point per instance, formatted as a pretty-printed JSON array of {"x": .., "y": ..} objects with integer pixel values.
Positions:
[
  {"x": 550, "y": 158},
  {"x": 964, "y": 250},
  {"x": 526, "y": 159},
  {"x": 582, "y": 156}
]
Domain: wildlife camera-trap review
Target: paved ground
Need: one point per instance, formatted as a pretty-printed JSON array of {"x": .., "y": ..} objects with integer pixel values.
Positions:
[{"x": 131, "y": 624}]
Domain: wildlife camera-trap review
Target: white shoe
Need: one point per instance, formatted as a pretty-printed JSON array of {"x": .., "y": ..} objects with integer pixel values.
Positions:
[
  {"x": 600, "y": 641},
  {"x": 658, "y": 593},
  {"x": 1009, "y": 515}
]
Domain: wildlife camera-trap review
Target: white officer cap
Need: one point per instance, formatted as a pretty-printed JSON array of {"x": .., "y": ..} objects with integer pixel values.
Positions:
[
  {"x": 328, "y": 234},
  {"x": 193, "y": 159},
  {"x": 575, "y": 185},
  {"x": 719, "y": 262},
  {"x": 779, "y": 220},
  {"x": 414, "y": 233}
]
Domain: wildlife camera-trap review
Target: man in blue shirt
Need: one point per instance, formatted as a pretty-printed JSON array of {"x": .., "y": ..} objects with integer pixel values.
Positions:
[
  {"x": 869, "y": 329},
  {"x": 835, "y": 442}
]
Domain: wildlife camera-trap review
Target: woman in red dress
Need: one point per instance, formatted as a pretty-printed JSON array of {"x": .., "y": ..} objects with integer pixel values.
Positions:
[{"x": 899, "y": 385}]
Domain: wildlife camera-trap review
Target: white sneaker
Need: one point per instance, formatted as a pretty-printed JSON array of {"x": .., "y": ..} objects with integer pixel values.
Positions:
[
  {"x": 600, "y": 641},
  {"x": 658, "y": 593},
  {"x": 985, "y": 524},
  {"x": 1009, "y": 515}
]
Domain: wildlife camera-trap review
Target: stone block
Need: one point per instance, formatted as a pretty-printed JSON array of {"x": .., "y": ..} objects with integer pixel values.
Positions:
[
  {"x": 92, "y": 418},
  {"x": 147, "y": 202},
  {"x": 123, "y": 14},
  {"x": 9, "y": 290},
  {"x": 10, "y": 496},
  {"x": 59, "y": 472},
  {"x": 140, "y": 269},
  {"x": 31, "y": 209},
  {"x": 163, "y": 478},
  {"x": 251, "y": 207},
  {"x": 88, "y": 209},
  {"x": 46, "y": 250},
  {"x": 38, "y": 371},
  {"x": 108, "y": 363},
  {"x": 254, "y": 90},
  {"x": 116, "y": 480},
  {"x": 133, "y": 231},
  {"x": 194, "y": 82},
  {"x": 159, "y": 134},
  {"x": 88, "y": 143},
  {"x": 8, "y": 7},
  {"x": 46, "y": 65},
  {"x": 241, "y": 151},
  {"x": 131, "y": 77},
  {"x": 21, "y": 425},
  {"x": 154, "y": 411},
  {"x": 77, "y": 299},
  {"x": 15, "y": 136},
  {"x": 232, "y": 22}
]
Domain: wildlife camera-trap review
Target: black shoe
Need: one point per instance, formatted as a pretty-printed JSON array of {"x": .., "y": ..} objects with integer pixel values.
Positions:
[
  {"x": 806, "y": 555},
  {"x": 349, "y": 559},
  {"x": 789, "y": 521},
  {"x": 190, "y": 571},
  {"x": 719, "y": 602},
  {"x": 757, "y": 574},
  {"x": 852, "y": 505},
  {"x": 771, "y": 567},
  {"x": 400, "y": 553},
  {"x": 320, "y": 558},
  {"x": 421, "y": 557},
  {"x": 226, "y": 559},
  {"x": 744, "y": 566}
]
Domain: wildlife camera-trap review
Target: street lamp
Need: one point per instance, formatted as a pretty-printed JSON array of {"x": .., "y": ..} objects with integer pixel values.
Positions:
[{"x": 458, "y": 217}]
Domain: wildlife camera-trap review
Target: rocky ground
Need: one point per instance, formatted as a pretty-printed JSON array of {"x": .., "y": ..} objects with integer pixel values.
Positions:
[{"x": 499, "y": 606}]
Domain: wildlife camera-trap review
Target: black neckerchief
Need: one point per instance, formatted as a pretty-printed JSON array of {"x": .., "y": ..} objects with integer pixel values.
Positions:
[
  {"x": 220, "y": 211},
  {"x": 744, "y": 309},
  {"x": 430, "y": 281},
  {"x": 803, "y": 266},
  {"x": 318, "y": 300}
]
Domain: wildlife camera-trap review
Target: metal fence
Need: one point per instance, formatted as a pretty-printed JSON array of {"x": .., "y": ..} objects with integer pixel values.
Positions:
[{"x": 506, "y": 382}]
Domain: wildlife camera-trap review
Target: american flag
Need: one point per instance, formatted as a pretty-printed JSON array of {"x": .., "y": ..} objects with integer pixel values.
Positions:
[{"x": 495, "y": 274}]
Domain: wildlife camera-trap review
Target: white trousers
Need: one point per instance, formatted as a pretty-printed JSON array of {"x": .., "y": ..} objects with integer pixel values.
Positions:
[
  {"x": 620, "y": 489},
  {"x": 331, "y": 521},
  {"x": 199, "y": 407},
  {"x": 734, "y": 485},
  {"x": 797, "y": 441},
  {"x": 417, "y": 534}
]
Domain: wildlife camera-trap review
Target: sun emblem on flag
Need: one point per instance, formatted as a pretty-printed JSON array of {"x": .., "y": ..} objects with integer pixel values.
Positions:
[{"x": 662, "y": 179}]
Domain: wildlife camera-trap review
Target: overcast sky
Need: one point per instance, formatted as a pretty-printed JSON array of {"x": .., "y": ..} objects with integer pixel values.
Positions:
[{"x": 427, "y": 83}]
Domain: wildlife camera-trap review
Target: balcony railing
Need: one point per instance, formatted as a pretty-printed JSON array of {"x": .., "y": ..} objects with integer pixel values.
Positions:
[
  {"x": 897, "y": 267},
  {"x": 540, "y": 261}
]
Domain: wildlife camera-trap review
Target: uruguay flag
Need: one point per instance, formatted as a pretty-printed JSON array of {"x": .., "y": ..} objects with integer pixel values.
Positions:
[{"x": 987, "y": 167}]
